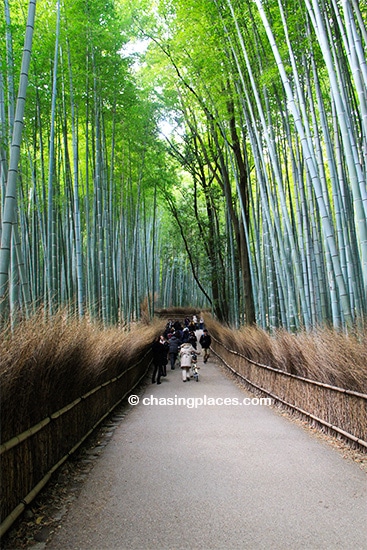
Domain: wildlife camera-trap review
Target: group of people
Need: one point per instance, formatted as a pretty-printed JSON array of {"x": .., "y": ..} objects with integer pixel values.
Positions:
[{"x": 178, "y": 341}]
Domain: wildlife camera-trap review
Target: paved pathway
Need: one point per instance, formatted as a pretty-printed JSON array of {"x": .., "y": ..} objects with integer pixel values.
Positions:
[{"x": 215, "y": 477}]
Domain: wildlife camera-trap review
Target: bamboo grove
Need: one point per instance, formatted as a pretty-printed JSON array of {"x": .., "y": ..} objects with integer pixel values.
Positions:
[{"x": 178, "y": 152}]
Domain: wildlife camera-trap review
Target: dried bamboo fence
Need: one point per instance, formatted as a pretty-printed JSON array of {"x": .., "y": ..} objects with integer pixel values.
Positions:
[
  {"x": 29, "y": 459},
  {"x": 339, "y": 410}
]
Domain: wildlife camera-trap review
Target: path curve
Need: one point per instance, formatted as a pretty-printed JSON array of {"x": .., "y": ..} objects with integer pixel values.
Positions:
[{"x": 215, "y": 477}]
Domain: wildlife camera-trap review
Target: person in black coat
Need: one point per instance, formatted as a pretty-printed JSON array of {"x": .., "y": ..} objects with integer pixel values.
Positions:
[
  {"x": 174, "y": 345},
  {"x": 160, "y": 350},
  {"x": 193, "y": 340},
  {"x": 205, "y": 342}
]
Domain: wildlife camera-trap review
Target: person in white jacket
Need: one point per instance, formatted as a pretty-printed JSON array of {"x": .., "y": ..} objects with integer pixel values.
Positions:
[{"x": 185, "y": 358}]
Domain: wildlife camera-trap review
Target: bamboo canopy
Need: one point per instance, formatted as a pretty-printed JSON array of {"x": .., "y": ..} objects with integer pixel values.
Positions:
[{"x": 144, "y": 168}]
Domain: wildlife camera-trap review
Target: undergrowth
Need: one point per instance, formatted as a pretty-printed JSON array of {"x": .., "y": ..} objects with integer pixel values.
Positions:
[
  {"x": 46, "y": 364},
  {"x": 323, "y": 354}
]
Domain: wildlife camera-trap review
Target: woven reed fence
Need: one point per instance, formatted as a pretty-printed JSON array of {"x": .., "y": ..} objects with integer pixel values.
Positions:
[
  {"x": 29, "y": 459},
  {"x": 337, "y": 409}
]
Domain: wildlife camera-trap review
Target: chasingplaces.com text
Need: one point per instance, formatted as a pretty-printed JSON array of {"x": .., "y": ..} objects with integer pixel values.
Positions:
[{"x": 195, "y": 402}]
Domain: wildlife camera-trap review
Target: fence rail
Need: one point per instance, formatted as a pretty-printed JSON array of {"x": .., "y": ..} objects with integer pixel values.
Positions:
[
  {"x": 340, "y": 410},
  {"x": 56, "y": 437}
]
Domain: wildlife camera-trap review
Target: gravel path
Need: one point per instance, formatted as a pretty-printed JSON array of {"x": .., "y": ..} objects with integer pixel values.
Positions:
[{"x": 215, "y": 477}]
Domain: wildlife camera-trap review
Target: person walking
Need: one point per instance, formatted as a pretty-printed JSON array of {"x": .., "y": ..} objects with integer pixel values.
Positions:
[
  {"x": 174, "y": 346},
  {"x": 185, "y": 357},
  {"x": 205, "y": 342},
  {"x": 164, "y": 351},
  {"x": 160, "y": 350},
  {"x": 193, "y": 340}
]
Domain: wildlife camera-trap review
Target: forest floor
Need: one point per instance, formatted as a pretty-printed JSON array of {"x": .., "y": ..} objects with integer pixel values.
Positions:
[{"x": 158, "y": 476}]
